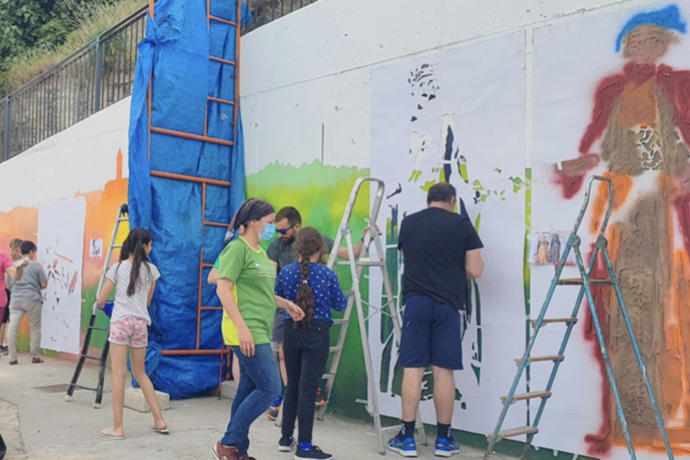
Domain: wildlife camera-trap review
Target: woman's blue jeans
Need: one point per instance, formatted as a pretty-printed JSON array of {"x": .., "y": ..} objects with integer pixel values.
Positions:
[{"x": 259, "y": 386}]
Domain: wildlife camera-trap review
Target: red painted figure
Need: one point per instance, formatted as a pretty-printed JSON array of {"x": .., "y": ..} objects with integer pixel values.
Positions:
[{"x": 640, "y": 126}]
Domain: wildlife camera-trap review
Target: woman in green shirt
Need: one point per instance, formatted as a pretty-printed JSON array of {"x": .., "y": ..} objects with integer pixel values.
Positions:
[{"x": 246, "y": 270}]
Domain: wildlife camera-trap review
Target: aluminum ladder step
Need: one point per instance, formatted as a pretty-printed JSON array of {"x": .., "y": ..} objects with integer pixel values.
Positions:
[
  {"x": 567, "y": 320},
  {"x": 534, "y": 359},
  {"x": 514, "y": 432},
  {"x": 529, "y": 395},
  {"x": 578, "y": 282}
]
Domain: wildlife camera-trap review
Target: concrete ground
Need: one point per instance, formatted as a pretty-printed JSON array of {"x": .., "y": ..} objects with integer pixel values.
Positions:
[{"x": 37, "y": 423}]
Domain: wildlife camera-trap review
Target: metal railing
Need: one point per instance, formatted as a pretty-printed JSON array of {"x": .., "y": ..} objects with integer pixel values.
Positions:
[
  {"x": 265, "y": 11},
  {"x": 92, "y": 78}
]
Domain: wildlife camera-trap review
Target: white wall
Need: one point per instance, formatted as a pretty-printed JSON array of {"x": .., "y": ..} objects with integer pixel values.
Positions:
[
  {"x": 81, "y": 158},
  {"x": 299, "y": 72},
  {"x": 312, "y": 67}
]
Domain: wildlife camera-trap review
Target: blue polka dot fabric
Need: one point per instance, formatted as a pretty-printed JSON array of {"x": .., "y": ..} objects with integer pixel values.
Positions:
[{"x": 324, "y": 283}]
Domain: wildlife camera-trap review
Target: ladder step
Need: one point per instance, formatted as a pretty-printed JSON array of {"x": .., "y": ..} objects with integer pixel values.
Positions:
[
  {"x": 530, "y": 395},
  {"x": 116, "y": 246},
  {"x": 91, "y": 357},
  {"x": 370, "y": 262},
  {"x": 578, "y": 281},
  {"x": 555, "y": 320},
  {"x": 514, "y": 432},
  {"x": 533, "y": 359},
  {"x": 341, "y": 321},
  {"x": 82, "y": 387},
  {"x": 335, "y": 348}
]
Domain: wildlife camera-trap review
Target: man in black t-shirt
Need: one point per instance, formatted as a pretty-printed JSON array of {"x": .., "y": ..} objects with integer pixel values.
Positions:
[{"x": 440, "y": 250}]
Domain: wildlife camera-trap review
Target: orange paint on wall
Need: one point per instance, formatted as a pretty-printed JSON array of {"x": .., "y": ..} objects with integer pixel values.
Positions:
[
  {"x": 101, "y": 211},
  {"x": 622, "y": 184},
  {"x": 19, "y": 223}
]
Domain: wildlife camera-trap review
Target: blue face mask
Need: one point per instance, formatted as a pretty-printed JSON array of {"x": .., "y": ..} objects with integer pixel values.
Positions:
[{"x": 269, "y": 231}]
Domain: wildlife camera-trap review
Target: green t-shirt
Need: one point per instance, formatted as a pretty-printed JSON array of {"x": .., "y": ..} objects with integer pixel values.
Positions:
[{"x": 254, "y": 275}]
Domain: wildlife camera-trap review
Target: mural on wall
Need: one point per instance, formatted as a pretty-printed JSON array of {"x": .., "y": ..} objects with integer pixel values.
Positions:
[
  {"x": 60, "y": 250},
  {"x": 432, "y": 121},
  {"x": 320, "y": 193},
  {"x": 99, "y": 218},
  {"x": 635, "y": 130}
]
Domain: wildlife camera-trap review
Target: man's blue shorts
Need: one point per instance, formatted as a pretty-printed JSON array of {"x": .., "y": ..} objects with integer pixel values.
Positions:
[{"x": 431, "y": 334}]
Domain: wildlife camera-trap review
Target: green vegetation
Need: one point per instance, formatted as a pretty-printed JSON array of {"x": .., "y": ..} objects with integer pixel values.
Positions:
[{"x": 37, "y": 34}]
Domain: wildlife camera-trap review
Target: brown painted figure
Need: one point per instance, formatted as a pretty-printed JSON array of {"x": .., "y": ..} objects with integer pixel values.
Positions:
[{"x": 642, "y": 118}]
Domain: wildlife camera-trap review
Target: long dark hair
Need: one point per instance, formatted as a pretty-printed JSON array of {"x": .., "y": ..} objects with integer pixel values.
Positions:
[
  {"x": 134, "y": 245},
  {"x": 308, "y": 242}
]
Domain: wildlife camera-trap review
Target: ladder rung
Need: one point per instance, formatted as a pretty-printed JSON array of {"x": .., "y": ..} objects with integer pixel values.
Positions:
[
  {"x": 116, "y": 246},
  {"x": 327, "y": 375},
  {"x": 555, "y": 320},
  {"x": 122, "y": 219},
  {"x": 341, "y": 321},
  {"x": 390, "y": 428},
  {"x": 370, "y": 262},
  {"x": 514, "y": 432},
  {"x": 82, "y": 387},
  {"x": 533, "y": 359},
  {"x": 334, "y": 349},
  {"x": 94, "y": 328},
  {"x": 91, "y": 357},
  {"x": 530, "y": 395},
  {"x": 578, "y": 281}
]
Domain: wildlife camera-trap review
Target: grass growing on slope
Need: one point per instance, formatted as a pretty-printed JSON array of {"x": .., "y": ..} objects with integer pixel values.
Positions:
[{"x": 91, "y": 23}]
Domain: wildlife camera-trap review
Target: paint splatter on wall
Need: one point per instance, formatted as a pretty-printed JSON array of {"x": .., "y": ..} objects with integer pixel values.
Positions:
[{"x": 101, "y": 209}]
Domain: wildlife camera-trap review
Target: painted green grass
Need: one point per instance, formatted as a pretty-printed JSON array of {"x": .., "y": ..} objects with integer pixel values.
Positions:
[{"x": 320, "y": 193}]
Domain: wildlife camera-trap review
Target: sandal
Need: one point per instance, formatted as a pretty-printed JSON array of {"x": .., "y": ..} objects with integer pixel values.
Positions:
[
  {"x": 108, "y": 435},
  {"x": 36, "y": 360},
  {"x": 163, "y": 430},
  {"x": 13, "y": 362}
]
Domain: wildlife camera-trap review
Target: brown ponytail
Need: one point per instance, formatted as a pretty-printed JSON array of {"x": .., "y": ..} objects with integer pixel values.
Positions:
[
  {"x": 134, "y": 245},
  {"x": 308, "y": 242}
]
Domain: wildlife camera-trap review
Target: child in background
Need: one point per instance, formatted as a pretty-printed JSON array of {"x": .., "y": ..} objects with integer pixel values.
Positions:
[
  {"x": 135, "y": 278},
  {"x": 316, "y": 290}
]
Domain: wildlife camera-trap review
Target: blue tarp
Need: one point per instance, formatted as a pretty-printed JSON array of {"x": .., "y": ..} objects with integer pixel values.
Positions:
[{"x": 176, "y": 48}]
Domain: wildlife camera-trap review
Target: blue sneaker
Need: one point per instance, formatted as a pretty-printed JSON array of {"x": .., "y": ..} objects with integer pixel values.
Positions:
[
  {"x": 406, "y": 447},
  {"x": 445, "y": 447}
]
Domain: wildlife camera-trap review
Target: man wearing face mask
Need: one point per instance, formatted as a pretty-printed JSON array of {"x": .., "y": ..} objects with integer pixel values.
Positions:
[{"x": 288, "y": 223}]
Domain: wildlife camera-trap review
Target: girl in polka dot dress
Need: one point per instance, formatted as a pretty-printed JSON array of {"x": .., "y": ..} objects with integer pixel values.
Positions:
[{"x": 316, "y": 290}]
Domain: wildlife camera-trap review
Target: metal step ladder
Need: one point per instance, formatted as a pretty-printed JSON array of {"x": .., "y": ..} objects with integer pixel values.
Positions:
[
  {"x": 84, "y": 355},
  {"x": 585, "y": 281},
  {"x": 354, "y": 299}
]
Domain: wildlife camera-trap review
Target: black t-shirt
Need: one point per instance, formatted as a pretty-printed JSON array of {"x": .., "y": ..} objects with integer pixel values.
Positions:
[{"x": 434, "y": 242}]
